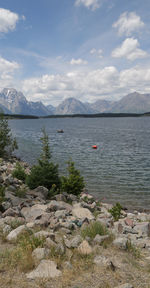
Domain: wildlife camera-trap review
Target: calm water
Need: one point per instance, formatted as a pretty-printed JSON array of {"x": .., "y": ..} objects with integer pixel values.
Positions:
[{"x": 119, "y": 170}]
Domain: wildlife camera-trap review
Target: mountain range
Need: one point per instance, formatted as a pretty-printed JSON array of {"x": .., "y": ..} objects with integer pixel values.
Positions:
[{"x": 14, "y": 102}]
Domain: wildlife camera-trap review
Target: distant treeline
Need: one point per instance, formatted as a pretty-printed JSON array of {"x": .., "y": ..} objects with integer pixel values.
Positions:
[{"x": 18, "y": 116}]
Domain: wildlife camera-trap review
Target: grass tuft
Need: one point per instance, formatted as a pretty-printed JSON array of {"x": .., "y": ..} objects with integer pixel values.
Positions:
[{"x": 93, "y": 229}]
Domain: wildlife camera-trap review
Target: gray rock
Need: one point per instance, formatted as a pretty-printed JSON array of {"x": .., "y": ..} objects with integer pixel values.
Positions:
[
  {"x": 101, "y": 260},
  {"x": 143, "y": 228},
  {"x": 14, "y": 233},
  {"x": 61, "y": 214},
  {"x": 6, "y": 205},
  {"x": 7, "y": 229},
  {"x": 74, "y": 242},
  {"x": 82, "y": 213},
  {"x": 58, "y": 205},
  {"x": 50, "y": 243},
  {"x": 32, "y": 213},
  {"x": 99, "y": 239},
  {"x": 120, "y": 243},
  {"x": 40, "y": 192},
  {"x": 42, "y": 233},
  {"x": 11, "y": 212},
  {"x": 46, "y": 269},
  {"x": 15, "y": 201},
  {"x": 40, "y": 253}
]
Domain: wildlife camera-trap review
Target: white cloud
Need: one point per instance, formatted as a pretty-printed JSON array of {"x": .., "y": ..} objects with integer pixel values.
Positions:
[
  {"x": 8, "y": 20},
  {"x": 7, "y": 69},
  {"x": 129, "y": 49},
  {"x": 89, "y": 86},
  {"x": 98, "y": 53},
  {"x": 128, "y": 23},
  {"x": 90, "y": 4},
  {"x": 78, "y": 61}
]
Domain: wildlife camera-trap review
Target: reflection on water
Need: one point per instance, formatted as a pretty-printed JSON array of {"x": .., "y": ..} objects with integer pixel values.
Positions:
[{"x": 119, "y": 170}]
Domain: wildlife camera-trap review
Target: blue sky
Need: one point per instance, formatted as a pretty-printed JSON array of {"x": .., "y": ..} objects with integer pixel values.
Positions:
[{"x": 87, "y": 49}]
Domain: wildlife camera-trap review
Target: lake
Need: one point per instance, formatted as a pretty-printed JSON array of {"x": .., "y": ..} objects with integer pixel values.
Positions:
[{"x": 119, "y": 170}]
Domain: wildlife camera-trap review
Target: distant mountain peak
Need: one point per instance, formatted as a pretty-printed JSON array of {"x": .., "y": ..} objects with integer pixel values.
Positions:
[{"x": 13, "y": 101}]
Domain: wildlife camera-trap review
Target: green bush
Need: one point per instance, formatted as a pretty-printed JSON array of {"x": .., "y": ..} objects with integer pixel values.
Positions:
[
  {"x": 7, "y": 143},
  {"x": 93, "y": 229},
  {"x": 19, "y": 172},
  {"x": 45, "y": 173},
  {"x": 74, "y": 183},
  {"x": 116, "y": 211}
]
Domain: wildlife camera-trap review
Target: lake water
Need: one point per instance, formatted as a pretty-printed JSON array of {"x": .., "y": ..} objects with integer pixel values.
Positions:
[{"x": 119, "y": 170}]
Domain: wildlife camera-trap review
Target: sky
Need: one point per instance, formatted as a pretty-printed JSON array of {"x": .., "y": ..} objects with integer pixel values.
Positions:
[{"x": 87, "y": 49}]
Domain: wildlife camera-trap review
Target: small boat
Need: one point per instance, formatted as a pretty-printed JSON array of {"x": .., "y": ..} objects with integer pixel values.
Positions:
[
  {"x": 94, "y": 146},
  {"x": 60, "y": 131}
]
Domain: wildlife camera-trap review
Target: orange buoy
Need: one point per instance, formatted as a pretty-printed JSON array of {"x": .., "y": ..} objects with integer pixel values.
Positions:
[{"x": 94, "y": 146}]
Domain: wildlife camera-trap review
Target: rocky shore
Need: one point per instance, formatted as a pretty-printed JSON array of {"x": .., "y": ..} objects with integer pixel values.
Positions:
[{"x": 68, "y": 241}]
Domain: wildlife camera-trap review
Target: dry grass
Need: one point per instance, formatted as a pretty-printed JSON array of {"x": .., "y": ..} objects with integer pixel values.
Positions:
[{"x": 84, "y": 274}]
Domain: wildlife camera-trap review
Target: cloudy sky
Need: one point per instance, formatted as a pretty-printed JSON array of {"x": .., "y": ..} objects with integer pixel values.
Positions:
[{"x": 87, "y": 49}]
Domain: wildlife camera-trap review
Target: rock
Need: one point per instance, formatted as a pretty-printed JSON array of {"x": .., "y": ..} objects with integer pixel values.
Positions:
[
  {"x": 61, "y": 214},
  {"x": 101, "y": 260},
  {"x": 58, "y": 205},
  {"x": 40, "y": 192},
  {"x": 82, "y": 213},
  {"x": 46, "y": 269},
  {"x": 50, "y": 243},
  {"x": 60, "y": 197},
  {"x": 127, "y": 285},
  {"x": 15, "y": 201},
  {"x": 44, "y": 220},
  {"x": 129, "y": 222},
  {"x": 143, "y": 228},
  {"x": 14, "y": 233},
  {"x": 42, "y": 233},
  {"x": 85, "y": 248},
  {"x": 120, "y": 243},
  {"x": 74, "y": 242},
  {"x": 40, "y": 253},
  {"x": 11, "y": 212},
  {"x": 9, "y": 180},
  {"x": 7, "y": 229},
  {"x": 32, "y": 213},
  {"x": 6, "y": 205},
  {"x": 99, "y": 239}
]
